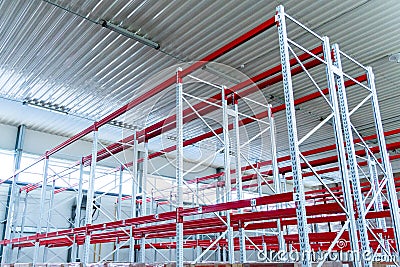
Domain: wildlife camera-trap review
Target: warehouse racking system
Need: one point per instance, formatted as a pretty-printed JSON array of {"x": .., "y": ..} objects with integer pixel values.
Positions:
[{"x": 363, "y": 208}]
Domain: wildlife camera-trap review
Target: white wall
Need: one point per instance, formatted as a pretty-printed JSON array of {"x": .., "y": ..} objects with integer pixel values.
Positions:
[{"x": 7, "y": 136}]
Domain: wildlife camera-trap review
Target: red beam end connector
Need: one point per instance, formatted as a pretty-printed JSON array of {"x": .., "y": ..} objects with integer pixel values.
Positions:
[
  {"x": 333, "y": 56},
  {"x": 235, "y": 98},
  {"x": 276, "y": 19},
  {"x": 95, "y": 126},
  {"x": 179, "y": 76},
  {"x": 227, "y": 92},
  {"x": 87, "y": 229},
  {"x": 179, "y": 217}
]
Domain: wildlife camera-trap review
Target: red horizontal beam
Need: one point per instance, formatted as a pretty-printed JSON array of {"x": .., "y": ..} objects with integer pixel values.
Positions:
[
  {"x": 145, "y": 134},
  {"x": 210, "y": 225},
  {"x": 204, "y": 108},
  {"x": 117, "y": 147},
  {"x": 265, "y": 200},
  {"x": 314, "y": 163},
  {"x": 281, "y": 108},
  {"x": 215, "y": 225},
  {"x": 170, "y": 81},
  {"x": 318, "y": 241}
]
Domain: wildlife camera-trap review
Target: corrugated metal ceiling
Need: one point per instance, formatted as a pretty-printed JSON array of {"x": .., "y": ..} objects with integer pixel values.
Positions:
[{"x": 50, "y": 53}]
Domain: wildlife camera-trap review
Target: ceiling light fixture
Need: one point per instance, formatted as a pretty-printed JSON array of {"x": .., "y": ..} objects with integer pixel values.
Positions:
[
  {"x": 123, "y": 125},
  {"x": 47, "y": 106},
  {"x": 129, "y": 34},
  {"x": 395, "y": 57}
]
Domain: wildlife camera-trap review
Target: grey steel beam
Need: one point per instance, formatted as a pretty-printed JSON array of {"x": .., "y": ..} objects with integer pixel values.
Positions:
[
  {"x": 331, "y": 70},
  {"x": 144, "y": 197},
  {"x": 49, "y": 215},
  {"x": 227, "y": 174},
  {"x": 199, "y": 249},
  {"x": 351, "y": 157},
  {"x": 378, "y": 205},
  {"x": 275, "y": 174},
  {"x": 12, "y": 204},
  {"x": 119, "y": 208},
  {"x": 218, "y": 196},
  {"x": 41, "y": 208},
  {"x": 391, "y": 187},
  {"x": 259, "y": 180},
  {"x": 90, "y": 198},
  {"x": 238, "y": 174},
  {"x": 299, "y": 196},
  {"x": 77, "y": 222},
  {"x": 23, "y": 219},
  {"x": 134, "y": 192},
  {"x": 179, "y": 167}
]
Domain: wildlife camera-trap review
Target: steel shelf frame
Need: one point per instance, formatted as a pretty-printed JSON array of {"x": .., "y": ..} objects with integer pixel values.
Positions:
[
  {"x": 339, "y": 118},
  {"x": 381, "y": 165},
  {"x": 285, "y": 213},
  {"x": 229, "y": 113},
  {"x": 230, "y": 217},
  {"x": 287, "y": 50}
]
